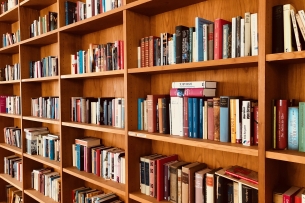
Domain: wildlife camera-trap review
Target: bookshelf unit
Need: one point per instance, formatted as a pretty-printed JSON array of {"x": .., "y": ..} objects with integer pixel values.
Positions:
[{"x": 264, "y": 77}]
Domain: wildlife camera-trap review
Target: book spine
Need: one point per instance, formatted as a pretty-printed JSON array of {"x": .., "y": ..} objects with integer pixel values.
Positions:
[
  {"x": 152, "y": 178},
  {"x": 233, "y": 120},
  {"x": 282, "y": 122},
  {"x": 185, "y": 186},
  {"x": 185, "y": 117},
  {"x": 233, "y": 46},
  {"x": 151, "y": 51},
  {"x": 287, "y": 28},
  {"x": 201, "y": 118},
  {"x": 199, "y": 197},
  {"x": 217, "y": 40},
  {"x": 195, "y": 118},
  {"x": 255, "y": 126},
  {"x": 210, "y": 119},
  {"x": 238, "y": 39},
  {"x": 247, "y": 34},
  {"x": 210, "y": 188},
  {"x": 190, "y": 117},
  {"x": 142, "y": 52},
  {"x": 216, "y": 108},
  {"x": 254, "y": 35},
  {"x": 173, "y": 185},
  {"x": 185, "y": 43},
  {"x": 224, "y": 119},
  {"x": 205, "y": 42},
  {"x": 179, "y": 44},
  {"x": 295, "y": 29},
  {"x": 211, "y": 42},
  {"x": 246, "y": 123},
  {"x": 242, "y": 37},
  {"x": 302, "y": 126}
]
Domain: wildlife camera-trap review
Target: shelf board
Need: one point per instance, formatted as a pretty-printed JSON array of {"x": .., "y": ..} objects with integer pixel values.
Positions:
[
  {"x": 42, "y": 79},
  {"x": 10, "y": 115},
  {"x": 94, "y": 75},
  {"x": 207, "y": 144},
  {"x": 90, "y": 177},
  {"x": 286, "y": 155},
  {"x": 11, "y": 148},
  {"x": 43, "y": 160},
  {"x": 38, "y": 196},
  {"x": 43, "y": 120},
  {"x": 99, "y": 22},
  {"x": 100, "y": 128},
  {"x": 9, "y": 82},
  {"x": 10, "y": 16},
  {"x": 289, "y": 57},
  {"x": 154, "y": 7},
  {"x": 43, "y": 39},
  {"x": 195, "y": 66},
  {"x": 11, "y": 49},
  {"x": 138, "y": 196},
  {"x": 11, "y": 180},
  {"x": 37, "y": 4}
]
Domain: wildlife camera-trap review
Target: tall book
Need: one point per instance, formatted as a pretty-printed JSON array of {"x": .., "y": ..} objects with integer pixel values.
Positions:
[
  {"x": 199, "y": 22},
  {"x": 293, "y": 128},
  {"x": 227, "y": 41},
  {"x": 216, "y": 108},
  {"x": 179, "y": 40},
  {"x": 281, "y": 123},
  {"x": 174, "y": 179},
  {"x": 218, "y": 37},
  {"x": 247, "y": 34},
  {"x": 289, "y": 40},
  {"x": 200, "y": 185},
  {"x": 254, "y": 35},
  {"x": 210, "y": 119},
  {"x": 302, "y": 126},
  {"x": 211, "y": 184},
  {"x": 152, "y": 101}
]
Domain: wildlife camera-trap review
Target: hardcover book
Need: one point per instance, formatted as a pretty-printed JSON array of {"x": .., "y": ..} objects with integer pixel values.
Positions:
[{"x": 243, "y": 173}]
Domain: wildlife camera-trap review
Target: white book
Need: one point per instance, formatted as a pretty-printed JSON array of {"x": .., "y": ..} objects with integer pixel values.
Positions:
[
  {"x": 116, "y": 115},
  {"x": 93, "y": 112},
  {"x": 170, "y": 119},
  {"x": 287, "y": 28},
  {"x": 300, "y": 24},
  {"x": 139, "y": 57},
  {"x": 254, "y": 35},
  {"x": 177, "y": 115},
  {"x": 233, "y": 46},
  {"x": 194, "y": 84},
  {"x": 242, "y": 37},
  {"x": 246, "y": 123},
  {"x": 108, "y": 5},
  {"x": 247, "y": 34},
  {"x": 119, "y": 110},
  {"x": 210, "y": 187},
  {"x": 240, "y": 192},
  {"x": 302, "y": 17},
  {"x": 295, "y": 29},
  {"x": 205, "y": 42},
  {"x": 145, "y": 114},
  {"x": 96, "y": 8},
  {"x": 170, "y": 52}
]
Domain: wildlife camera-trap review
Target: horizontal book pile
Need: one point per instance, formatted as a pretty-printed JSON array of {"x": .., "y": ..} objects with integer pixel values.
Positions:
[
  {"x": 45, "y": 107},
  {"x": 13, "y": 167},
  {"x": 12, "y": 136},
  {"x": 288, "y": 26},
  {"x": 47, "y": 182},
  {"x": 10, "y": 104},
  {"x": 87, "y": 194},
  {"x": 7, "y": 5},
  {"x": 91, "y": 156},
  {"x": 98, "y": 58},
  {"x": 44, "y": 24},
  {"x": 13, "y": 195},
  {"x": 285, "y": 193},
  {"x": 100, "y": 111},
  {"x": 10, "y": 72},
  {"x": 77, "y": 11},
  {"x": 166, "y": 178},
  {"x": 192, "y": 110},
  {"x": 11, "y": 38},
  {"x": 206, "y": 41},
  {"x": 39, "y": 141},
  {"x": 48, "y": 66}
]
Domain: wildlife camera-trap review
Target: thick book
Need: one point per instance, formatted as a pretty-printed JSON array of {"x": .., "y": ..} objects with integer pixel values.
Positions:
[
  {"x": 243, "y": 173},
  {"x": 199, "y": 22},
  {"x": 222, "y": 189},
  {"x": 192, "y": 92},
  {"x": 152, "y": 101},
  {"x": 278, "y": 192},
  {"x": 194, "y": 84},
  {"x": 174, "y": 179},
  {"x": 281, "y": 123},
  {"x": 289, "y": 39},
  {"x": 200, "y": 185},
  {"x": 218, "y": 37},
  {"x": 289, "y": 195},
  {"x": 70, "y": 12},
  {"x": 179, "y": 40},
  {"x": 298, "y": 196},
  {"x": 293, "y": 128}
]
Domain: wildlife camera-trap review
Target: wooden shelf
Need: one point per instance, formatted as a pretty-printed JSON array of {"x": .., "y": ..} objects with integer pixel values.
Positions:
[
  {"x": 10, "y": 115},
  {"x": 43, "y": 160},
  {"x": 99, "y": 22},
  {"x": 207, "y": 144},
  {"x": 8, "y": 147},
  {"x": 38, "y": 196},
  {"x": 11, "y": 180},
  {"x": 43, "y": 39},
  {"x": 94, "y": 75},
  {"x": 10, "y": 16},
  {"x": 42, "y": 79},
  {"x": 37, "y": 4},
  {"x": 195, "y": 66},
  {"x": 9, "y": 82},
  {"x": 11, "y": 49},
  {"x": 289, "y": 57},
  {"x": 286, "y": 155},
  {"x": 90, "y": 177},
  {"x": 138, "y": 196},
  {"x": 99, "y": 128},
  {"x": 43, "y": 120}
]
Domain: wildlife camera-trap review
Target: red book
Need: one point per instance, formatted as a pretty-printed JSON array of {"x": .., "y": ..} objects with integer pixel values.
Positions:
[
  {"x": 185, "y": 117},
  {"x": 152, "y": 101},
  {"x": 192, "y": 92},
  {"x": 255, "y": 124},
  {"x": 142, "y": 52},
  {"x": 218, "y": 33},
  {"x": 3, "y": 104},
  {"x": 121, "y": 45},
  {"x": 160, "y": 175},
  {"x": 243, "y": 173},
  {"x": 289, "y": 195},
  {"x": 151, "y": 51},
  {"x": 78, "y": 112},
  {"x": 97, "y": 159},
  {"x": 146, "y": 51},
  {"x": 281, "y": 124},
  {"x": 210, "y": 119},
  {"x": 298, "y": 196},
  {"x": 153, "y": 176}
]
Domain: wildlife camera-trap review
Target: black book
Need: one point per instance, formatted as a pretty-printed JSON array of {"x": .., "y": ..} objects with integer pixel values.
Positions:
[
  {"x": 222, "y": 189},
  {"x": 53, "y": 21},
  {"x": 277, "y": 29},
  {"x": 114, "y": 57},
  {"x": 70, "y": 8},
  {"x": 180, "y": 36},
  {"x": 238, "y": 37},
  {"x": 165, "y": 115},
  {"x": 254, "y": 195},
  {"x": 109, "y": 56},
  {"x": 246, "y": 194},
  {"x": 185, "y": 46},
  {"x": 157, "y": 55},
  {"x": 230, "y": 192}
]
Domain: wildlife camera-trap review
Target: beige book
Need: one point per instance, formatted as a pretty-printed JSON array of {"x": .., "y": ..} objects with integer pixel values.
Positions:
[
  {"x": 300, "y": 24},
  {"x": 295, "y": 29},
  {"x": 247, "y": 34},
  {"x": 236, "y": 192},
  {"x": 287, "y": 28}
]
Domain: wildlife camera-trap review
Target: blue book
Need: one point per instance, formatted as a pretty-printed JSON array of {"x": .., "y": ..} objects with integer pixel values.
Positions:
[
  {"x": 201, "y": 106},
  {"x": 301, "y": 127},
  {"x": 190, "y": 116},
  {"x": 81, "y": 65},
  {"x": 51, "y": 149},
  {"x": 104, "y": 6},
  {"x": 77, "y": 156},
  {"x": 293, "y": 128},
  {"x": 199, "y": 22},
  {"x": 140, "y": 113},
  {"x": 195, "y": 118}
]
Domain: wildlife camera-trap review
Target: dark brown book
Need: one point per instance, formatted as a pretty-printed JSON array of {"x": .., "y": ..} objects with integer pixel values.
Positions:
[
  {"x": 179, "y": 37},
  {"x": 216, "y": 108},
  {"x": 152, "y": 101},
  {"x": 146, "y": 51},
  {"x": 152, "y": 51},
  {"x": 142, "y": 43},
  {"x": 277, "y": 29},
  {"x": 174, "y": 179}
]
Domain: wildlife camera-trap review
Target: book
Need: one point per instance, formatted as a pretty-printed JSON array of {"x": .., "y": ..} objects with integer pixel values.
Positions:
[
  {"x": 200, "y": 185},
  {"x": 290, "y": 194},
  {"x": 192, "y": 92},
  {"x": 174, "y": 179},
  {"x": 210, "y": 118},
  {"x": 227, "y": 41},
  {"x": 219, "y": 37},
  {"x": 248, "y": 34},
  {"x": 88, "y": 142},
  {"x": 211, "y": 186},
  {"x": 216, "y": 108},
  {"x": 180, "y": 29},
  {"x": 254, "y": 35},
  {"x": 152, "y": 101},
  {"x": 194, "y": 84},
  {"x": 199, "y": 22},
  {"x": 289, "y": 41},
  {"x": 293, "y": 133},
  {"x": 243, "y": 173},
  {"x": 281, "y": 123},
  {"x": 301, "y": 127}
]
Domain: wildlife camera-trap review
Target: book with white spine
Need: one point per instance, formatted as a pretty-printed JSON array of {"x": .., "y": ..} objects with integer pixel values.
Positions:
[
  {"x": 254, "y": 35},
  {"x": 295, "y": 29},
  {"x": 242, "y": 37}
]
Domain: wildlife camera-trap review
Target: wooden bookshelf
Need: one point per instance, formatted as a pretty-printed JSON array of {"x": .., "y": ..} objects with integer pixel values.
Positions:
[
  {"x": 7, "y": 178},
  {"x": 8, "y": 147},
  {"x": 94, "y": 75},
  {"x": 11, "y": 49},
  {"x": 10, "y": 115},
  {"x": 99, "y": 128},
  {"x": 50, "y": 78},
  {"x": 9, "y": 82},
  {"x": 38, "y": 196},
  {"x": 139, "y": 197},
  {"x": 42, "y": 120},
  {"x": 286, "y": 155},
  {"x": 44, "y": 160},
  {"x": 10, "y": 15}
]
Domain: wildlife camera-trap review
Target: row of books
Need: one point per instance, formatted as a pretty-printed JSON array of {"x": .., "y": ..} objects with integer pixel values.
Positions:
[
  {"x": 288, "y": 27},
  {"x": 10, "y": 104},
  {"x": 77, "y": 11},
  {"x": 39, "y": 141},
  {"x": 44, "y": 24},
  {"x": 98, "y": 58},
  {"x": 87, "y": 194},
  {"x": 91, "y": 156},
  {"x": 48, "y": 66},
  {"x": 166, "y": 178},
  {"x": 12, "y": 136},
  {"x": 100, "y": 111},
  {"x": 206, "y": 41},
  {"x": 7, "y": 5},
  {"x": 47, "y": 182},
  {"x": 13, "y": 167},
  {"x": 10, "y": 72},
  {"x": 283, "y": 193},
  {"x": 45, "y": 107},
  {"x": 11, "y": 38},
  {"x": 13, "y": 195}
]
